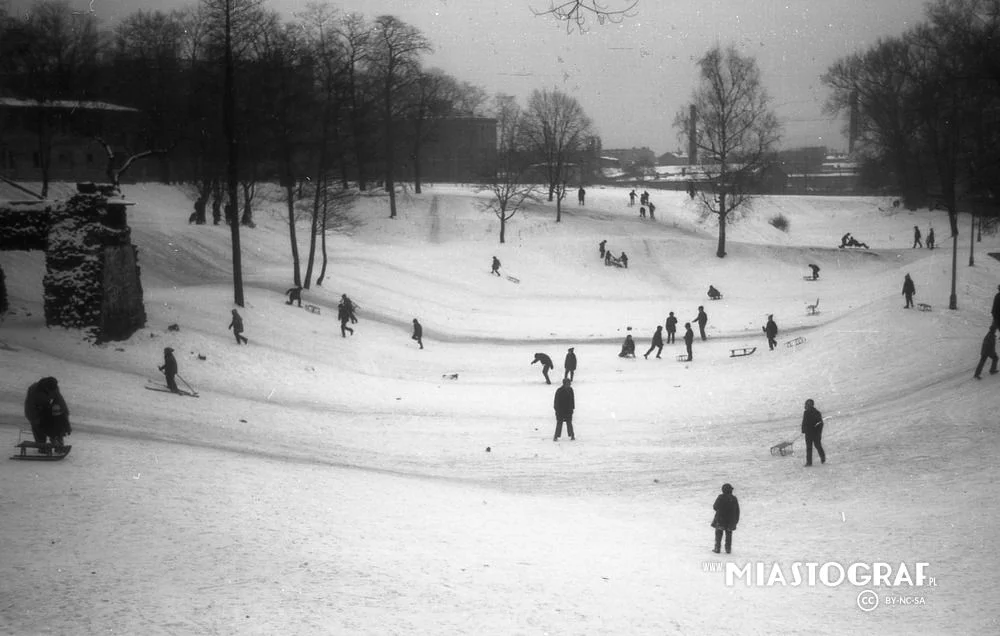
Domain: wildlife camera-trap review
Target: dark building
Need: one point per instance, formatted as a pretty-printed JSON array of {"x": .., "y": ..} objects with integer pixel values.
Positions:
[{"x": 458, "y": 150}]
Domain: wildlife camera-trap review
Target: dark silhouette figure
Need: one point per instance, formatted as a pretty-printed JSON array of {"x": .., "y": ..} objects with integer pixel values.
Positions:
[
  {"x": 624, "y": 260},
  {"x": 564, "y": 404},
  {"x": 344, "y": 315},
  {"x": 607, "y": 258},
  {"x": 652, "y": 211},
  {"x": 642, "y": 211},
  {"x": 713, "y": 293},
  {"x": 671, "y": 328},
  {"x": 581, "y": 196},
  {"x": 909, "y": 289},
  {"x": 771, "y": 331},
  {"x": 657, "y": 343},
  {"x": 569, "y": 364},
  {"x": 496, "y": 266},
  {"x": 46, "y": 411},
  {"x": 688, "y": 340},
  {"x": 727, "y": 516},
  {"x": 645, "y": 198},
  {"x": 987, "y": 352},
  {"x": 702, "y": 320},
  {"x": 856, "y": 243},
  {"x": 169, "y": 369},
  {"x": 631, "y": 198},
  {"x": 628, "y": 348},
  {"x": 845, "y": 240},
  {"x": 815, "y": 270},
  {"x": 916, "y": 237},
  {"x": 350, "y": 307},
  {"x": 601, "y": 245},
  {"x": 995, "y": 311},
  {"x": 236, "y": 324},
  {"x": 546, "y": 365},
  {"x": 418, "y": 333},
  {"x": 812, "y": 426},
  {"x": 691, "y": 189},
  {"x": 294, "y": 295},
  {"x": 930, "y": 239}
]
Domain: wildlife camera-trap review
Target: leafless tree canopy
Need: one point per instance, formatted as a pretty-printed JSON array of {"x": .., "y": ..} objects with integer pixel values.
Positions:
[
  {"x": 576, "y": 13},
  {"x": 508, "y": 186}
]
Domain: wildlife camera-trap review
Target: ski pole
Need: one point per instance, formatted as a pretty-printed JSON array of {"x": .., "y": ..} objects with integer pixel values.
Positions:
[{"x": 190, "y": 388}]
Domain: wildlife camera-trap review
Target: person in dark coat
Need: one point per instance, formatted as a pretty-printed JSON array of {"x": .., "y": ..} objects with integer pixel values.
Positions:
[
  {"x": 995, "y": 311},
  {"x": 727, "y": 516},
  {"x": 350, "y": 307},
  {"x": 702, "y": 320},
  {"x": 930, "y": 239},
  {"x": 688, "y": 340},
  {"x": 607, "y": 258},
  {"x": 169, "y": 368},
  {"x": 909, "y": 289},
  {"x": 343, "y": 315},
  {"x": 812, "y": 426},
  {"x": 601, "y": 245},
  {"x": 671, "y": 328},
  {"x": 418, "y": 333},
  {"x": 916, "y": 237},
  {"x": 569, "y": 365},
  {"x": 771, "y": 331},
  {"x": 546, "y": 362},
  {"x": 645, "y": 197},
  {"x": 628, "y": 348},
  {"x": 657, "y": 343},
  {"x": 46, "y": 412},
  {"x": 236, "y": 324},
  {"x": 815, "y": 270},
  {"x": 845, "y": 240},
  {"x": 294, "y": 295},
  {"x": 496, "y": 266},
  {"x": 631, "y": 198},
  {"x": 564, "y": 404},
  {"x": 714, "y": 293},
  {"x": 988, "y": 351},
  {"x": 581, "y": 196},
  {"x": 652, "y": 211},
  {"x": 642, "y": 211},
  {"x": 624, "y": 260}
]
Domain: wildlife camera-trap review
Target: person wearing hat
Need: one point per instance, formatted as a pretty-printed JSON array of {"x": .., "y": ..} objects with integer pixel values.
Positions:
[
  {"x": 569, "y": 364},
  {"x": 46, "y": 411},
  {"x": 236, "y": 324},
  {"x": 771, "y": 331},
  {"x": 812, "y": 426},
  {"x": 564, "y": 403},
  {"x": 727, "y": 515},
  {"x": 169, "y": 369}
]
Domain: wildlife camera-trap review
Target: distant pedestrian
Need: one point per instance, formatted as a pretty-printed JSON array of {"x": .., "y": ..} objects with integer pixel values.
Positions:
[
  {"x": 350, "y": 307},
  {"x": 624, "y": 260},
  {"x": 344, "y": 315},
  {"x": 631, "y": 198},
  {"x": 418, "y": 333},
  {"x": 916, "y": 237},
  {"x": 815, "y": 270},
  {"x": 569, "y": 365},
  {"x": 652, "y": 211},
  {"x": 628, "y": 348},
  {"x": 607, "y": 258},
  {"x": 236, "y": 324},
  {"x": 995, "y": 311},
  {"x": 564, "y": 404},
  {"x": 909, "y": 289},
  {"x": 645, "y": 198},
  {"x": 581, "y": 196},
  {"x": 691, "y": 189},
  {"x": 601, "y": 245},
  {"x": 546, "y": 362},
  {"x": 496, "y": 266},
  {"x": 812, "y": 426},
  {"x": 671, "y": 328},
  {"x": 930, "y": 239},
  {"x": 688, "y": 340},
  {"x": 169, "y": 369},
  {"x": 702, "y": 320},
  {"x": 294, "y": 295},
  {"x": 642, "y": 211},
  {"x": 727, "y": 516},
  {"x": 988, "y": 351},
  {"x": 771, "y": 331},
  {"x": 656, "y": 343}
]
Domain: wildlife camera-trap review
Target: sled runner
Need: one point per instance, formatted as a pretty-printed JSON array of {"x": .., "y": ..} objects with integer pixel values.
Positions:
[
  {"x": 809, "y": 278},
  {"x": 46, "y": 452},
  {"x": 740, "y": 352},
  {"x": 683, "y": 357},
  {"x": 795, "y": 342},
  {"x": 923, "y": 307},
  {"x": 782, "y": 449},
  {"x": 512, "y": 279},
  {"x": 311, "y": 309}
]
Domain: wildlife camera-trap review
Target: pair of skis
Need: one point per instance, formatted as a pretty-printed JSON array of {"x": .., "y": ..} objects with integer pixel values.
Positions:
[{"x": 153, "y": 386}]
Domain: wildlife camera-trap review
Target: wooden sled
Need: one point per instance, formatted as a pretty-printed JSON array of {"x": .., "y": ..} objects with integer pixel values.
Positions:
[
  {"x": 47, "y": 452},
  {"x": 783, "y": 449},
  {"x": 311, "y": 309},
  {"x": 512, "y": 279},
  {"x": 923, "y": 307},
  {"x": 812, "y": 310},
  {"x": 740, "y": 352},
  {"x": 795, "y": 342},
  {"x": 683, "y": 357},
  {"x": 810, "y": 278}
]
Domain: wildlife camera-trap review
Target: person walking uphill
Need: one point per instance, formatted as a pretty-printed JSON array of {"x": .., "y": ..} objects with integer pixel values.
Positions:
[
  {"x": 236, "y": 324},
  {"x": 916, "y": 237},
  {"x": 343, "y": 315},
  {"x": 771, "y": 331},
  {"x": 169, "y": 369},
  {"x": 569, "y": 365},
  {"x": 496, "y": 266},
  {"x": 909, "y": 289},
  {"x": 657, "y": 343},
  {"x": 564, "y": 404},
  {"x": 727, "y": 516},
  {"x": 46, "y": 411},
  {"x": 418, "y": 333},
  {"x": 987, "y": 352},
  {"x": 812, "y": 426},
  {"x": 546, "y": 365}
]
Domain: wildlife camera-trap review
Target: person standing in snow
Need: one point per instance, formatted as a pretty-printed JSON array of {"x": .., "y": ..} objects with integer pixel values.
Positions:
[
  {"x": 642, "y": 211},
  {"x": 569, "y": 365},
  {"x": 350, "y": 307},
  {"x": 987, "y": 352},
  {"x": 688, "y": 340},
  {"x": 581, "y": 196},
  {"x": 656, "y": 343},
  {"x": 702, "y": 320},
  {"x": 815, "y": 270},
  {"x": 812, "y": 426},
  {"x": 546, "y": 362},
  {"x": 46, "y": 412},
  {"x": 624, "y": 260},
  {"x": 771, "y": 331},
  {"x": 916, "y": 237},
  {"x": 909, "y": 289},
  {"x": 671, "y": 328},
  {"x": 995, "y": 311},
  {"x": 169, "y": 369},
  {"x": 930, "y": 239},
  {"x": 631, "y": 199},
  {"x": 496, "y": 266},
  {"x": 294, "y": 295},
  {"x": 652, "y": 211},
  {"x": 418, "y": 333},
  {"x": 601, "y": 245},
  {"x": 236, "y": 324},
  {"x": 564, "y": 404},
  {"x": 727, "y": 516}
]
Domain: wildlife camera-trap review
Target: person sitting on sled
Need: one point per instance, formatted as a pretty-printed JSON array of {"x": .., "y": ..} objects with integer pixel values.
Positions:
[
  {"x": 714, "y": 293},
  {"x": 628, "y": 348}
]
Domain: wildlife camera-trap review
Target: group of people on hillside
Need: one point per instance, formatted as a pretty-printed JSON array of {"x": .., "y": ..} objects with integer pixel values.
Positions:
[
  {"x": 849, "y": 241},
  {"x": 609, "y": 258},
  {"x": 644, "y": 204},
  {"x": 916, "y": 238},
  {"x": 657, "y": 342}
]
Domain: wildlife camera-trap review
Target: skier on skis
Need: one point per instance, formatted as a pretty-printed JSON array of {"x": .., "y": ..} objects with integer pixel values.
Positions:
[{"x": 169, "y": 368}]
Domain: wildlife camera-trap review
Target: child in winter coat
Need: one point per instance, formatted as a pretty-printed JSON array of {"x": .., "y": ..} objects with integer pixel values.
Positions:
[{"x": 727, "y": 515}]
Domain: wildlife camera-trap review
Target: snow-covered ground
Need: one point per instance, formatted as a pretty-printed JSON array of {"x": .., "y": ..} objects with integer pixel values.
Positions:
[{"x": 328, "y": 485}]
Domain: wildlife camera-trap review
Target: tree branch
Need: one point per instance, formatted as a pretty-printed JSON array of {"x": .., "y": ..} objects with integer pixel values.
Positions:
[{"x": 575, "y": 12}]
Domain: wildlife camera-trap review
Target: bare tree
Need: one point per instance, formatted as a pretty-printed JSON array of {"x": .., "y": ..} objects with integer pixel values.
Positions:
[
  {"x": 113, "y": 172},
  {"x": 395, "y": 61},
  {"x": 507, "y": 186},
  {"x": 736, "y": 133},
  {"x": 556, "y": 129},
  {"x": 576, "y": 12}
]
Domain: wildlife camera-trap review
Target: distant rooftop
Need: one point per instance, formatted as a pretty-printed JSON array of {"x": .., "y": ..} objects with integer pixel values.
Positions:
[{"x": 63, "y": 104}]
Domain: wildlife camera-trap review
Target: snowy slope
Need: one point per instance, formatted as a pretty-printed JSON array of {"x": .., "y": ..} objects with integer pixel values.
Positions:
[{"x": 342, "y": 485}]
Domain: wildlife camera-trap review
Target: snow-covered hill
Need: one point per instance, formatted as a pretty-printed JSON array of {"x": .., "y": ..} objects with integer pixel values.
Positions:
[{"x": 323, "y": 484}]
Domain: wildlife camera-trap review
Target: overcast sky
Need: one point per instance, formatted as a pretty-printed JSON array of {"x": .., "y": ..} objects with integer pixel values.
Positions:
[{"x": 632, "y": 77}]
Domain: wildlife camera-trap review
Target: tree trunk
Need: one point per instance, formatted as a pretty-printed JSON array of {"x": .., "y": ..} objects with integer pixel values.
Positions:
[
  {"x": 390, "y": 168},
  {"x": 416, "y": 167},
  {"x": 248, "y": 192},
  {"x": 314, "y": 219},
  {"x": 322, "y": 237},
  {"x": 723, "y": 214},
  {"x": 290, "y": 198},
  {"x": 503, "y": 225},
  {"x": 216, "y": 202}
]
